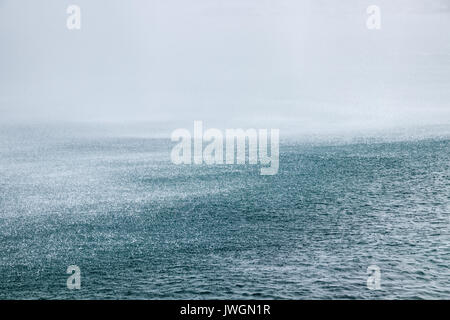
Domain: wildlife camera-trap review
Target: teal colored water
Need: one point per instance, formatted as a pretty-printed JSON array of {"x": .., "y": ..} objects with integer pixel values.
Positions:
[{"x": 141, "y": 227}]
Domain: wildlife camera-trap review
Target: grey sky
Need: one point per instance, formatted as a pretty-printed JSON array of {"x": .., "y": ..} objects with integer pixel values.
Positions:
[{"x": 308, "y": 62}]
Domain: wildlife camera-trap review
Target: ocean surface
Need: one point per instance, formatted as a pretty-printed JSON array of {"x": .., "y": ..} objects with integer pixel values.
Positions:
[{"x": 140, "y": 227}]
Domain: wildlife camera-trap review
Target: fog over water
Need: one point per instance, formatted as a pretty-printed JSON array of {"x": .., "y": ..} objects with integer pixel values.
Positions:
[{"x": 305, "y": 64}]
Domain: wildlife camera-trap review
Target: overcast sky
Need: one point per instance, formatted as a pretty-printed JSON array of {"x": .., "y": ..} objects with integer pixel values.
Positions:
[{"x": 314, "y": 63}]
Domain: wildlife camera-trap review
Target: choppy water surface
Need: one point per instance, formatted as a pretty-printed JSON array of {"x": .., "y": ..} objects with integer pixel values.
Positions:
[{"x": 141, "y": 227}]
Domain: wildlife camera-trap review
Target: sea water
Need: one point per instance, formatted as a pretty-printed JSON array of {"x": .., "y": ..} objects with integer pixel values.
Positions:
[{"x": 140, "y": 227}]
